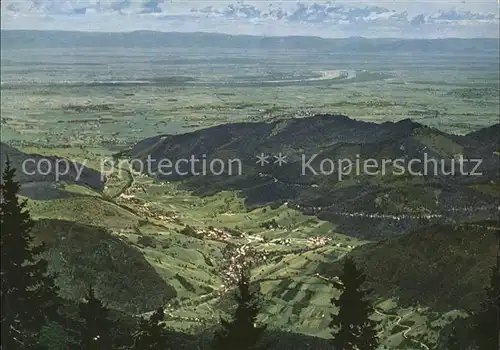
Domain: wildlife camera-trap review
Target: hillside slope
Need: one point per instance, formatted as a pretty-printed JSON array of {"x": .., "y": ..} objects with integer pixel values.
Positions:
[
  {"x": 443, "y": 267},
  {"x": 84, "y": 256},
  {"x": 360, "y": 202}
]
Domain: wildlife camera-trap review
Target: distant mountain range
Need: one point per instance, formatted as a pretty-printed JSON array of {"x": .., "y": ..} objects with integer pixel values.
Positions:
[
  {"x": 360, "y": 203},
  {"x": 150, "y": 39}
]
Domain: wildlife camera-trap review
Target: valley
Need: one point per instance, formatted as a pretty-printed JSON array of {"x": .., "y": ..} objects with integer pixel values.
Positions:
[{"x": 145, "y": 239}]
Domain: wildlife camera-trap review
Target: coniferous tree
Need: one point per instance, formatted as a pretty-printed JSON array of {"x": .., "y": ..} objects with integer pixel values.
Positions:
[
  {"x": 241, "y": 333},
  {"x": 151, "y": 333},
  {"x": 29, "y": 296},
  {"x": 452, "y": 342},
  {"x": 97, "y": 327},
  {"x": 487, "y": 327},
  {"x": 351, "y": 327}
]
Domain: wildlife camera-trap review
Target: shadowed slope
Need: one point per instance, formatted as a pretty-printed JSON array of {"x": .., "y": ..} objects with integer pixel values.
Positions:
[
  {"x": 86, "y": 256},
  {"x": 441, "y": 266}
]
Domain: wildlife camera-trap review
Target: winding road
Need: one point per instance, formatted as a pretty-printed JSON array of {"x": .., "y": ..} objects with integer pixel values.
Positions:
[
  {"x": 378, "y": 311},
  {"x": 129, "y": 184},
  {"x": 407, "y": 328}
]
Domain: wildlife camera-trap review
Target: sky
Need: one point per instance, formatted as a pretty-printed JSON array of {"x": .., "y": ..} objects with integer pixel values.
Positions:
[{"x": 333, "y": 19}]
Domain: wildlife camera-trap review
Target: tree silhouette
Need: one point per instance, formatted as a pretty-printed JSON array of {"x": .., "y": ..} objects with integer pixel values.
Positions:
[
  {"x": 29, "y": 295},
  {"x": 241, "y": 333},
  {"x": 452, "y": 342},
  {"x": 487, "y": 326},
  {"x": 351, "y": 327},
  {"x": 96, "y": 327},
  {"x": 151, "y": 333}
]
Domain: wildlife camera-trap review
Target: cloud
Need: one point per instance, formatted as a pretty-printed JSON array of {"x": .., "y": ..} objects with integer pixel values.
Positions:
[
  {"x": 418, "y": 20},
  {"x": 370, "y": 18},
  {"x": 152, "y": 6},
  {"x": 453, "y": 15}
]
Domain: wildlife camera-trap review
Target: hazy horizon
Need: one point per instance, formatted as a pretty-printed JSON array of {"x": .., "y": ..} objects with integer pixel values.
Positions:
[{"x": 353, "y": 37}]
